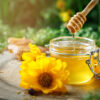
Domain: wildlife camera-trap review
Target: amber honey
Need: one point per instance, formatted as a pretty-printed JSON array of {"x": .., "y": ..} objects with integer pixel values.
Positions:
[{"x": 75, "y": 52}]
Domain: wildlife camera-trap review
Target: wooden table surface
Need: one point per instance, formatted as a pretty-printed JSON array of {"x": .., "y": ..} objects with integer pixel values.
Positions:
[{"x": 9, "y": 83}]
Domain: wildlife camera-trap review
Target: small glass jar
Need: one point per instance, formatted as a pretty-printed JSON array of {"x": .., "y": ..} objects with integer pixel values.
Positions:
[{"x": 74, "y": 51}]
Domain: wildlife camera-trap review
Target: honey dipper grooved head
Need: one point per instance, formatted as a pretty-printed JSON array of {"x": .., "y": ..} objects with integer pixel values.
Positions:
[{"x": 76, "y": 22}]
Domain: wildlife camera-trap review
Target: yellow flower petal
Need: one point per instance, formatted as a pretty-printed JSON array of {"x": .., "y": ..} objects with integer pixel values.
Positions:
[
  {"x": 46, "y": 74},
  {"x": 24, "y": 85},
  {"x": 65, "y": 16},
  {"x": 28, "y": 56},
  {"x": 62, "y": 89},
  {"x": 34, "y": 49},
  {"x": 61, "y": 4}
]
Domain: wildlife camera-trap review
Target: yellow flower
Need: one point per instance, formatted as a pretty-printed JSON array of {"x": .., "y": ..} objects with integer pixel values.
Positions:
[
  {"x": 65, "y": 16},
  {"x": 34, "y": 52},
  {"x": 46, "y": 74},
  {"x": 34, "y": 49},
  {"x": 61, "y": 4}
]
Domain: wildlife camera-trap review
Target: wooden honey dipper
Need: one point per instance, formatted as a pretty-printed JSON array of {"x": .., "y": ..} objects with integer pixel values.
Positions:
[{"x": 79, "y": 19}]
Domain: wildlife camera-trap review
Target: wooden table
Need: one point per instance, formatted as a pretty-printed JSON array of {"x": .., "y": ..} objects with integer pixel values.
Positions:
[{"x": 9, "y": 83}]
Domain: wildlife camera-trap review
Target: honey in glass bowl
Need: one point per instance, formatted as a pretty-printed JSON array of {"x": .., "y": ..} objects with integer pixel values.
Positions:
[{"x": 74, "y": 51}]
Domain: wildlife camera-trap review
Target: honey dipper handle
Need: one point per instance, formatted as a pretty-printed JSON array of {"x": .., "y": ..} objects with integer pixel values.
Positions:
[{"x": 89, "y": 7}]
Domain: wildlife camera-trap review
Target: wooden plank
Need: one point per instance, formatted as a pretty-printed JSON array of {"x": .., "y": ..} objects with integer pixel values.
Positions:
[{"x": 10, "y": 79}]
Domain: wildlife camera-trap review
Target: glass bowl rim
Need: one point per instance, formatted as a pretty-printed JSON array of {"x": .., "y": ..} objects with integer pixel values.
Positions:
[
  {"x": 65, "y": 37},
  {"x": 91, "y": 41}
]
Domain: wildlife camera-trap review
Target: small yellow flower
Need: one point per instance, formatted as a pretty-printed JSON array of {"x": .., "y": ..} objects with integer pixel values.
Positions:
[
  {"x": 61, "y": 4},
  {"x": 34, "y": 49},
  {"x": 34, "y": 52},
  {"x": 46, "y": 74},
  {"x": 70, "y": 12},
  {"x": 65, "y": 16}
]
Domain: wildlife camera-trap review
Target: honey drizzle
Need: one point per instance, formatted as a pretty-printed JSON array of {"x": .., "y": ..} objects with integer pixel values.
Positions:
[{"x": 73, "y": 43}]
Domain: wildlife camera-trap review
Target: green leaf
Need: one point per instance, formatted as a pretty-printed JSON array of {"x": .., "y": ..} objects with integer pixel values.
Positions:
[{"x": 88, "y": 97}]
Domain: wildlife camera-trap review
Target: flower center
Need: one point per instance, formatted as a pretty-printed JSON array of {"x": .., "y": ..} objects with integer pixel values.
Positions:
[{"x": 45, "y": 80}]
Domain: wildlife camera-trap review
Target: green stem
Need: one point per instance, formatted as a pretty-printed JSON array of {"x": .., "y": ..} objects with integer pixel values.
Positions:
[{"x": 99, "y": 18}]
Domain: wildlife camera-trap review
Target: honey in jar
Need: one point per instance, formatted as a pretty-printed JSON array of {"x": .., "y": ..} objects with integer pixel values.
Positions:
[{"x": 74, "y": 51}]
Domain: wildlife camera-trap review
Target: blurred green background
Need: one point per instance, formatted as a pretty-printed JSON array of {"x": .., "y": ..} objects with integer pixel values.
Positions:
[{"x": 42, "y": 20}]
